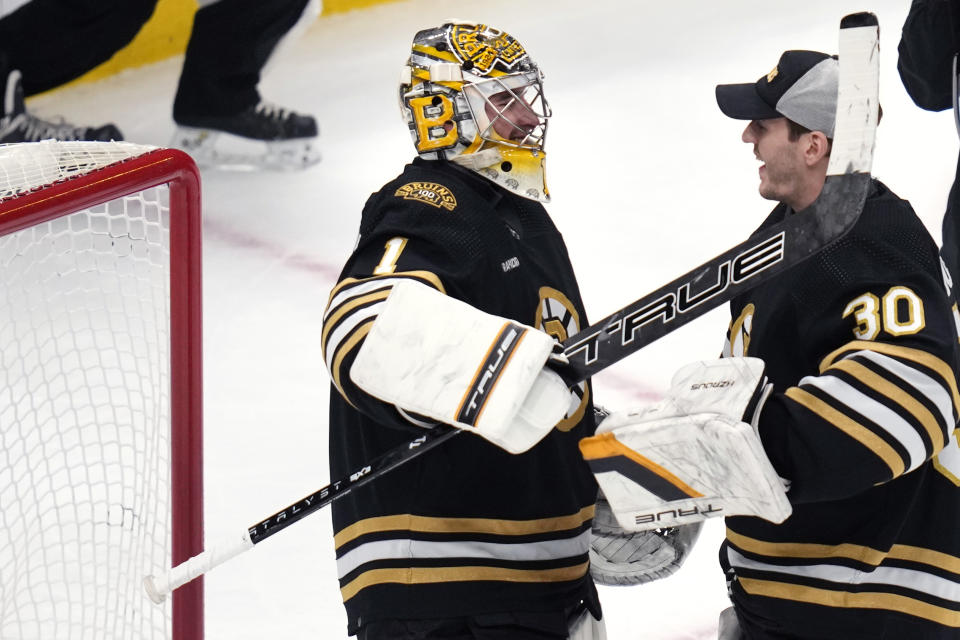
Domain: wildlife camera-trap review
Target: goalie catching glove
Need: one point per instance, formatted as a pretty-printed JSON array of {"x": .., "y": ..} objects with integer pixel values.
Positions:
[
  {"x": 691, "y": 456},
  {"x": 624, "y": 558},
  {"x": 441, "y": 358}
]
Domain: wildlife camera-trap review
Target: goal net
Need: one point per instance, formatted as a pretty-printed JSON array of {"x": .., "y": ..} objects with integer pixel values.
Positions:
[{"x": 100, "y": 441}]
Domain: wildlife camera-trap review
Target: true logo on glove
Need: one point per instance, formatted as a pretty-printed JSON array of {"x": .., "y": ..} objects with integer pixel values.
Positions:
[
  {"x": 676, "y": 514},
  {"x": 489, "y": 373}
]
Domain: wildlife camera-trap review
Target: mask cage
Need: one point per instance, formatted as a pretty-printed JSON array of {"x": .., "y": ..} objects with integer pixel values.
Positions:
[{"x": 510, "y": 110}]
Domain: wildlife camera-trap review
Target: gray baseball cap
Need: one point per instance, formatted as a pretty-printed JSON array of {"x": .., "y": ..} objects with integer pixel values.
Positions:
[{"x": 802, "y": 87}]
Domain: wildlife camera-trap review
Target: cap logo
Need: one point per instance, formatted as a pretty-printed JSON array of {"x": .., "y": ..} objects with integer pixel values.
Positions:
[
  {"x": 485, "y": 47},
  {"x": 432, "y": 193},
  {"x": 773, "y": 74}
]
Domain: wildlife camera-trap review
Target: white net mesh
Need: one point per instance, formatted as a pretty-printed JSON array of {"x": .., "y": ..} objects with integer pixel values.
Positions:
[
  {"x": 27, "y": 166},
  {"x": 84, "y": 407}
]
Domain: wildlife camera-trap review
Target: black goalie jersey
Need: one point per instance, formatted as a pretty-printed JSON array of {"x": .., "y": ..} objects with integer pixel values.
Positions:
[
  {"x": 861, "y": 344},
  {"x": 468, "y": 528}
]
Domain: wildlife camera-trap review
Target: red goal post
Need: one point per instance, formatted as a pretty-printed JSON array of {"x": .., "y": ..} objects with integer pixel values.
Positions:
[{"x": 100, "y": 389}]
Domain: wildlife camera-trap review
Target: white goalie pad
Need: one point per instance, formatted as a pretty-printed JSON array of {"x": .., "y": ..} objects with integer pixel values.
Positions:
[
  {"x": 439, "y": 357},
  {"x": 681, "y": 470}
]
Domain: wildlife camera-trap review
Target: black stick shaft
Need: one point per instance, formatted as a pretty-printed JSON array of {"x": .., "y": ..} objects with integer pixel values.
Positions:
[{"x": 371, "y": 471}]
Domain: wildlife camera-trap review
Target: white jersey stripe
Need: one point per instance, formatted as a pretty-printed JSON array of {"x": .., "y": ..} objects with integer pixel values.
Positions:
[
  {"x": 406, "y": 549},
  {"x": 347, "y": 325},
  {"x": 357, "y": 290},
  {"x": 920, "y": 581},
  {"x": 924, "y": 384},
  {"x": 877, "y": 412}
]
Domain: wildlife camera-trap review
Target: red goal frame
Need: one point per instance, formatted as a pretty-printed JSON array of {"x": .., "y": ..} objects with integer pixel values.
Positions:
[{"x": 177, "y": 170}]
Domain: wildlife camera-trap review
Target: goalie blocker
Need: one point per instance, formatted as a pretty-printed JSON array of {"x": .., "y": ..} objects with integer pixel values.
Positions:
[
  {"x": 691, "y": 456},
  {"x": 438, "y": 357}
]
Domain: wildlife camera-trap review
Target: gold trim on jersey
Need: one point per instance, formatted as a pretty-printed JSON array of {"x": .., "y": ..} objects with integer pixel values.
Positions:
[
  {"x": 348, "y": 306},
  {"x": 948, "y": 473},
  {"x": 860, "y": 553},
  {"x": 738, "y": 336},
  {"x": 345, "y": 347},
  {"x": 427, "y": 575},
  {"x": 847, "y": 599},
  {"x": 890, "y": 390},
  {"x": 851, "y": 427},
  {"x": 427, "y": 524},
  {"x": 554, "y": 327},
  {"x": 908, "y": 353},
  {"x": 429, "y": 276}
]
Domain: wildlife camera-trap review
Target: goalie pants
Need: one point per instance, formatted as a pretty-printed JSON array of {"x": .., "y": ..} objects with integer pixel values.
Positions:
[{"x": 578, "y": 624}]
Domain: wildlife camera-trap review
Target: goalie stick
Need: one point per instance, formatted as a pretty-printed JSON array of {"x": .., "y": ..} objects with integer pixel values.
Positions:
[{"x": 763, "y": 255}]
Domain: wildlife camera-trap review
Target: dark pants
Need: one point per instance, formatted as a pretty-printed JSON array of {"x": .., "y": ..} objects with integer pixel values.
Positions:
[
  {"x": 54, "y": 41},
  {"x": 230, "y": 43},
  {"x": 499, "y": 626}
]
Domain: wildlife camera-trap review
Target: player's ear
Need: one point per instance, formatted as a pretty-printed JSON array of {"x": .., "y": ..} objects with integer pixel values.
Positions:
[{"x": 817, "y": 147}]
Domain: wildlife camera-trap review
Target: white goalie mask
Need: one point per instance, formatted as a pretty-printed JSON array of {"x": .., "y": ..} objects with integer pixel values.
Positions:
[{"x": 470, "y": 94}]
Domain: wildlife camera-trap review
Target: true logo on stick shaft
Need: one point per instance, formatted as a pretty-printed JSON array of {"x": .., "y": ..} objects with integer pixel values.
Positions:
[{"x": 665, "y": 308}]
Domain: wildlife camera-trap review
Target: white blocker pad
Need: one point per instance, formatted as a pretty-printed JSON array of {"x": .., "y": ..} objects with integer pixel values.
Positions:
[
  {"x": 681, "y": 470},
  {"x": 439, "y": 357}
]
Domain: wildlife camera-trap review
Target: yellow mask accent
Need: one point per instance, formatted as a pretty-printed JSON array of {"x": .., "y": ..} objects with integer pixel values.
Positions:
[{"x": 427, "y": 125}]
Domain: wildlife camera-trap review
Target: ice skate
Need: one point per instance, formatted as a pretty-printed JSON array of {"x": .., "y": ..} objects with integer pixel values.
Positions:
[
  {"x": 17, "y": 125},
  {"x": 262, "y": 137}
]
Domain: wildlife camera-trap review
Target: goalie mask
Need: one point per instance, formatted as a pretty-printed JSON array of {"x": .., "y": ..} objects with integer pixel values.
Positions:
[{"x": 471, "y": 94}]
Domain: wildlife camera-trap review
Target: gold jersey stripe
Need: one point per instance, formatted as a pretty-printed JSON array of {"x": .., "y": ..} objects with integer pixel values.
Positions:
[
  {"x": 943, "y": 469},
  {"x": 426, "y": 524},
  {"x": 915, "y": 355},
  {"x": 429, "y": 276},
  {"x": 346, "y": 347},
  {"x": 850, "y": 427},
  {"x": 848, "y": 600},
  {"x": 346, "y": 308},
  {"x": 866, "y": 555},
  {"x": 898, "y": 395},
  {"x": 429, "y": 575}
]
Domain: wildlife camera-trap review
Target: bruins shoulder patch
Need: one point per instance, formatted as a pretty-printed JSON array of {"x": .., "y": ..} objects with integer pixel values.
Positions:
[{"x": 429, "y": 192}]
